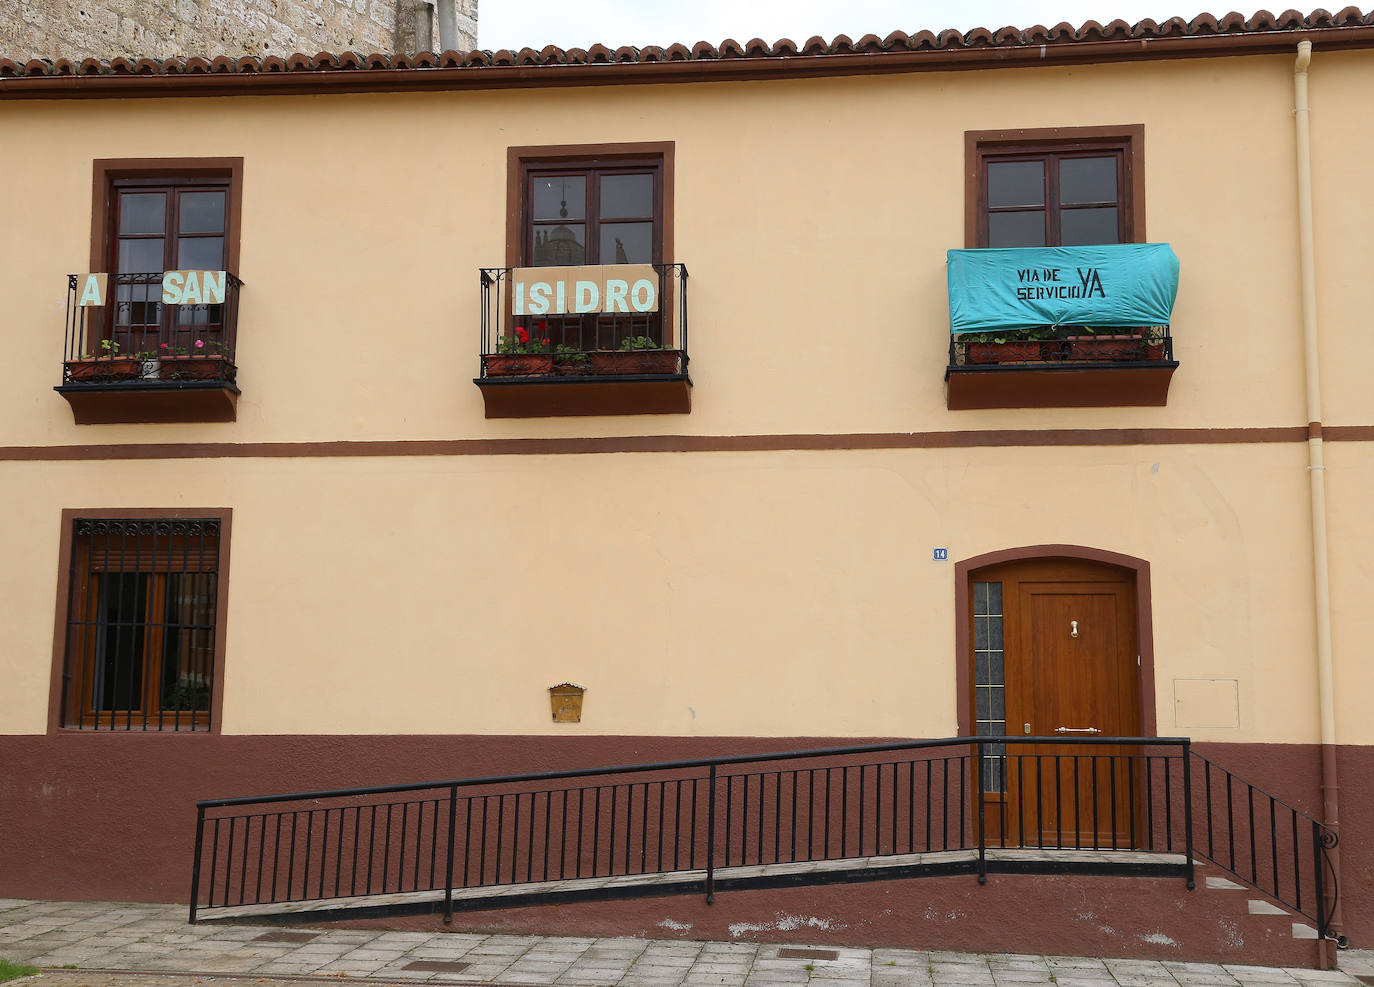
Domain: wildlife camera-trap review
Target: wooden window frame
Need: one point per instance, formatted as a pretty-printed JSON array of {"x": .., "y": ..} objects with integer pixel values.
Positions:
[
  {"x": 1127, "y": 140},
  {"x": 167, "y": 327},
  {"x": 108, "y": 171},
  {"x": 521, "y": 160},
  {"x": 60, "y": 708},
  {"x": 588, "y": 168}
]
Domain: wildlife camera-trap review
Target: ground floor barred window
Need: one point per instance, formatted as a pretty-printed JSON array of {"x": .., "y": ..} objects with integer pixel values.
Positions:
[{"x": 142, "y": 614}]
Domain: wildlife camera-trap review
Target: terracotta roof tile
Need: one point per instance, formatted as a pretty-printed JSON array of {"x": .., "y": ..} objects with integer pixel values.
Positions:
[{"x": 1089, "y": 41}]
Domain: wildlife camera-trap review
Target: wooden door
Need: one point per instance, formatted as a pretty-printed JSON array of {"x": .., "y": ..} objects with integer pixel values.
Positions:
[{"x": 1071, "y": 670}]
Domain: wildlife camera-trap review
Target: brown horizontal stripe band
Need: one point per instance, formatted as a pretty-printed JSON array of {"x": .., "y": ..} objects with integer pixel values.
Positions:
[{"x": 963, "y": 439}]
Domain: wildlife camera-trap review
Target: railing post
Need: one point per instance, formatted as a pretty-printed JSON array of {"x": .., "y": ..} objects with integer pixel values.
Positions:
[
  {"x": 195, "y": 864},
  {"x": 711, "y": 838},
  {"x": 448, "y": 864},
  {"x": 1318, "y": 858},
  {"x": 1188, "y": 811},
  {"x": 982, "y": 836}
]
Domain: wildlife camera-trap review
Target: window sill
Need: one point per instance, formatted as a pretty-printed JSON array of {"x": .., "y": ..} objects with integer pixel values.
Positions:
[
  {"x": 554, "y": 396},
  {"x": 1059, "y": 385},
  {"x": 143, "y": 401}
]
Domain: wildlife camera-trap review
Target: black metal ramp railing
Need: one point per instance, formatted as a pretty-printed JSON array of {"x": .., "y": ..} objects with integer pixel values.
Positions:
[{"x": 1127, "y": 806}]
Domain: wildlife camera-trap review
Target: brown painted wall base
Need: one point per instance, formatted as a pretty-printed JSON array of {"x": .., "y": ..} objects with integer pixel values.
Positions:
[{"x": 111, "y": 816}]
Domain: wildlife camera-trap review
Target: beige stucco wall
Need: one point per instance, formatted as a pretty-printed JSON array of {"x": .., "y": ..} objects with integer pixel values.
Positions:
[
  {"x": 817, "y": 263},
  {"x": 716, "y": 593},
  {"x": 782, "y": 593}
]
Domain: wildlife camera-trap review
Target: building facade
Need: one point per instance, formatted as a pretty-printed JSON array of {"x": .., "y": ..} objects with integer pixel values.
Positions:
[
  {"x": 338, "y": 500},
  {"x": 160, "y": 29}
]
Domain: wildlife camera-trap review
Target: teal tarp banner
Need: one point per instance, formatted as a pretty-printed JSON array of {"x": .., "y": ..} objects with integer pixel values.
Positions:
[{"x": 1123, "y": 285}]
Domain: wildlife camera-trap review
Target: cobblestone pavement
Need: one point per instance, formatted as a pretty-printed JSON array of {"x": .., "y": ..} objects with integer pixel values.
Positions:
[{"x": 87, "y": 944}]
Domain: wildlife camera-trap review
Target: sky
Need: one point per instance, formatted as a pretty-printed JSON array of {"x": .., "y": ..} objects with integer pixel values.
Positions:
[{"x": 518, "y": 24}]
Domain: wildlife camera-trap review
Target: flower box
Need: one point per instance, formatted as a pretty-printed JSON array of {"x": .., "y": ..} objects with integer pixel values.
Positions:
[
  {"x": 1113, "y": 348},
  {"x": 1018, "y": 351},
  {"x": 569, "y": 367},
  {"x": 210, "y": 367},
  {"x": 101, "y": 369},
  {"x": 635, "y": 362},
  {"x": 518, "y": 364}
]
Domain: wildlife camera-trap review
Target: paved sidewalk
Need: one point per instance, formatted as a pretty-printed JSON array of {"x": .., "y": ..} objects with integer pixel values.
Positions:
[{"x": 80, "y": 944}]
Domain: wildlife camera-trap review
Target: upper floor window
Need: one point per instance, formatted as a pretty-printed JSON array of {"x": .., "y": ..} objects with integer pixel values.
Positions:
[
  {"x": 143, "y": 600},
  {"x": 589, "y": 212},
  {"x": 1056, "y": 188},
  {"x": 151, "y": 326},
  {"x": 166, "y": 224}
]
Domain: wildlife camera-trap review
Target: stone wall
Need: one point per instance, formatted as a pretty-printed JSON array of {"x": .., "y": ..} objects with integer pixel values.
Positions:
[{"x": 78, "y": 29}]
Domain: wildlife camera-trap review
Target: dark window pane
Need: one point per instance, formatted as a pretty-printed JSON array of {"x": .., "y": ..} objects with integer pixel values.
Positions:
[
  {"x": 994, "y": 597},
  {"x": 627, "y": 243},
  {"x": 560, "y": 246},
  {"x": 205, "y": 319},
  {"x": 202, "y": 253},
  {"x": 627, "y": 197},
  {"x": 140, "y": 256},
  {"x": 1016, "y": 183},
  {"x": 560, "y": 197},
  {"x": 1080, "y": 226},
  {"x": 187, "y": 643},
  {"x": 121, "y": 603},
  {"x": 1016, "y": 229},
  {"x": 142, "y": 212},
  {"x": 1087, "y": 180},
  {"x": 202, "y": 212}
]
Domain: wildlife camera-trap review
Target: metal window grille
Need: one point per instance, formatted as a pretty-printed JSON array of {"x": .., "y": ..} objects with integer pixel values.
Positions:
[
  {"x": 989, "y": 685},
  {"x": 142, "y": 613}
]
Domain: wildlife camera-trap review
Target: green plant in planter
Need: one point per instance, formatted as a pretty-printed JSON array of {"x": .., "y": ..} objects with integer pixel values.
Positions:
[
  {"x": 569, "y": 354},
  {"x": 1031, "y": 334},
  {"x": 638, "y": 343},
  {"x": 109, "y": 350},
  {"x": 199, "y": 347},
  {"x": 522, "y": 343}
]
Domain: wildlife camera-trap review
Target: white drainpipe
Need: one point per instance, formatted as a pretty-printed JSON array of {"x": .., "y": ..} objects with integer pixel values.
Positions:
[{"x": 1316, "y": 471}]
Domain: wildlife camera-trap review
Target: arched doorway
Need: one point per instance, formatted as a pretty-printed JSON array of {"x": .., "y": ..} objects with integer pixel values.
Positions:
[{"x": 1051, "y": 646}]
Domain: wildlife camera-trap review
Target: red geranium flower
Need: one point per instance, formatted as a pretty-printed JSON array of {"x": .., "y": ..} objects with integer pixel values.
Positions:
[{"x": 522, "y": 334}]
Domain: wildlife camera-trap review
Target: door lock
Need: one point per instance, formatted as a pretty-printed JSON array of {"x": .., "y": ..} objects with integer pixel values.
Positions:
[
  {"x": 1027, "y": 726},
  {"x": 1073, "y": 628}
]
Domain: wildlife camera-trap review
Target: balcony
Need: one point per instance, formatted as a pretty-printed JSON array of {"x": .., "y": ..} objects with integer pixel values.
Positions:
[
  {"x": 1061, "y": 327},
  {"x": 155, "y": 347},
  {"x": 1064, "y": 367},
  {"x": 584, "y": 341}
]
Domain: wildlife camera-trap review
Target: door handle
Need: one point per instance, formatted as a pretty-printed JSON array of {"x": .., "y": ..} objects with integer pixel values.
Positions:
[{"x": 1076, "y": 730}]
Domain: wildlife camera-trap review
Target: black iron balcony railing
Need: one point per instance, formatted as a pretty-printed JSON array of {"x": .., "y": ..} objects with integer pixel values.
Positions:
[
  {"x": 622, "y": 344},
  {"x": 137, "y": 340},
  {"x": 1124, "y": 806},
  {"x": 1062, "y": 346}
]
